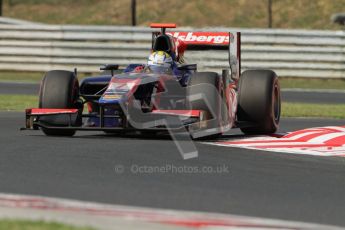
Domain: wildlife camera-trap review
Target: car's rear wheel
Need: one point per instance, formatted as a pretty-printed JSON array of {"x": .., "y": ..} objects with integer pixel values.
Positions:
[
  {"x": 259, "y": 101},
  {"x": 59, "y": 90}
]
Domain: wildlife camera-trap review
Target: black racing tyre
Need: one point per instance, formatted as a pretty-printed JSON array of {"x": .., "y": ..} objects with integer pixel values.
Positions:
[
  {"x": 59, "y": 90},
  {"x": 259, "y": 101},
  {"x": 199, "y": 84}
]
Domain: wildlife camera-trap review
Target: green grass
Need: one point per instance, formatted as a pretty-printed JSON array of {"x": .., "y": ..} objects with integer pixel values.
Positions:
[
  {"x": 312, "y": 83},
  {"x": 307, "y": 14},
  {"x": 20, "y": 76},
  {"x": 17, "y": 102},
  {"x": 36, "y": 225},
  {"x": 21, "y": 102},
  {"x": 313, "y": 110}
]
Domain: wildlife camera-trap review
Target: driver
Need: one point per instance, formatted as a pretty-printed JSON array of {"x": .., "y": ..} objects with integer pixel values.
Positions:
[{"x": 161, "y": 62}]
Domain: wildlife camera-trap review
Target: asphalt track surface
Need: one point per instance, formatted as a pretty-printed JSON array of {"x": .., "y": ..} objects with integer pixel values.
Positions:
[
  {"x": 262, "y": 184},
  {"x": 313, "y": 97},
  {"x": 287, "y": 96},
  {"x": 19, "y": 88}
]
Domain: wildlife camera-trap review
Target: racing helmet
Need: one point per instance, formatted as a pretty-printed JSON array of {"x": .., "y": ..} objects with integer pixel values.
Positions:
[{"x": 160, "y": 58}]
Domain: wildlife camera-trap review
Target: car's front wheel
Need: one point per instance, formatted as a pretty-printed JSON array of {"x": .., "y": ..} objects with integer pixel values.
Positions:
[
  {"x": 59, "y": 90},
  {"x": 204, "y": 94}
]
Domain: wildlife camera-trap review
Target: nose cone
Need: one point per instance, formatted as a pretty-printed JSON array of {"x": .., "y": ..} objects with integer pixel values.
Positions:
[{"x": 118, "y": 89}]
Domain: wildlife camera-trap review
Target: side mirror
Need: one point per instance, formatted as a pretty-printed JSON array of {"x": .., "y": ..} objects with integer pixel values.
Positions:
[
  {"x": 187, "y": 67},
  {"x": 110, "y": 67}
]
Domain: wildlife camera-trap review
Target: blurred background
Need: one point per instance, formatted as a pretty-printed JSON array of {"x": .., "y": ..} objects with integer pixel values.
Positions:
[{"x": 306, "y": 14}]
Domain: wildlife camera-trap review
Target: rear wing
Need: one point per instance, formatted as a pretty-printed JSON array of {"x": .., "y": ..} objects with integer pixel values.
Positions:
[{"x": 230, "y": 41}]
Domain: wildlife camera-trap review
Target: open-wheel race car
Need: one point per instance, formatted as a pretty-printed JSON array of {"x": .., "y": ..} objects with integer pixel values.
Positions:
[{"x": 164, "y": 93}]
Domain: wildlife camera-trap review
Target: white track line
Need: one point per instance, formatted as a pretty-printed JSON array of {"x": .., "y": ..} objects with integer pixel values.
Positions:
[{"x": 319, "y": 141}]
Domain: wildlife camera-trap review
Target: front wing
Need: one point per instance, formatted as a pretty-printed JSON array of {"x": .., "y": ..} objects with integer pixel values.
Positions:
[{"x": 158, "y": 120}]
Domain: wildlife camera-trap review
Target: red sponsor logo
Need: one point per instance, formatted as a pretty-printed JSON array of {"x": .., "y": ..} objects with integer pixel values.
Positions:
[{"x": 211, "y": 38}]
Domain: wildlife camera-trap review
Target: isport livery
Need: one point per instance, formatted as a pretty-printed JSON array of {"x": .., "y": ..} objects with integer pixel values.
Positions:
[{"x": 164, "y": 93}]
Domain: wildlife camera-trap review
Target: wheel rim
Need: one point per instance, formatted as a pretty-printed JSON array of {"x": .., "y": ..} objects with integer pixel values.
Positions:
[{"x": 276, "y": 103}]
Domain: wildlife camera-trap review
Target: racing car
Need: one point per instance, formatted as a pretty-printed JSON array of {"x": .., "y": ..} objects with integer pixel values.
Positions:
[{"x": 138, "y": 98}]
